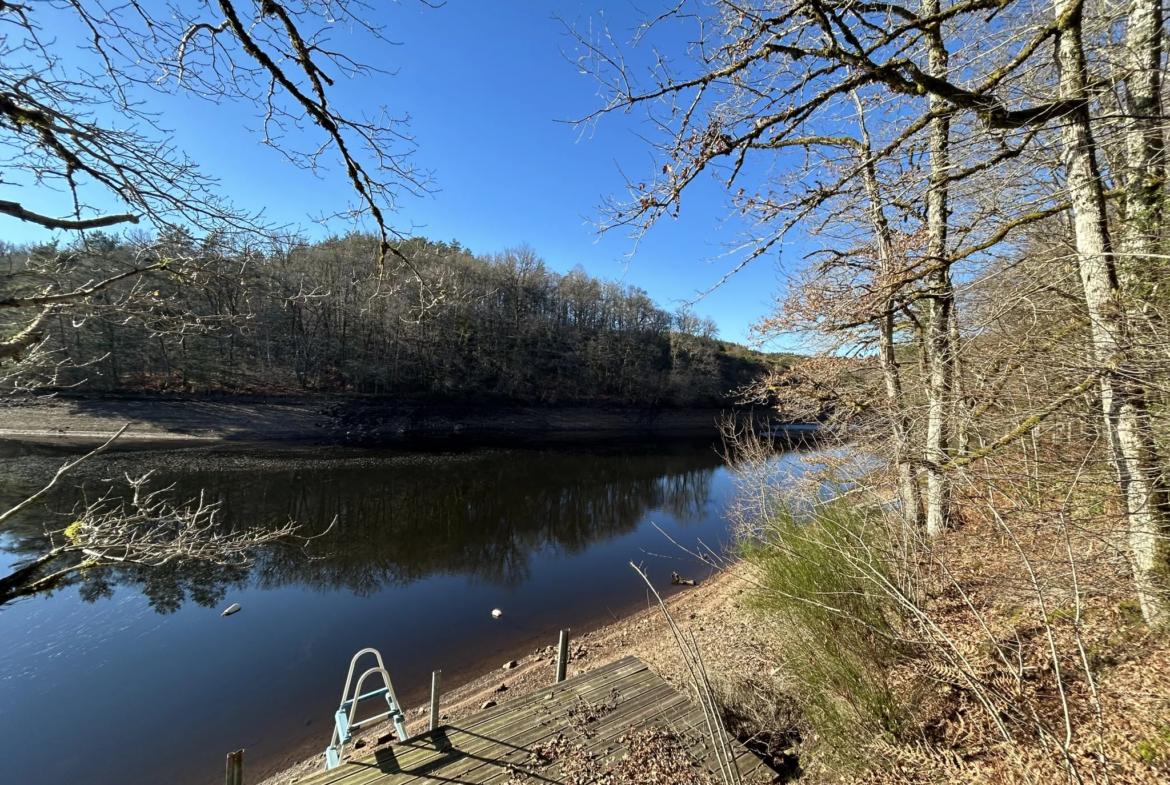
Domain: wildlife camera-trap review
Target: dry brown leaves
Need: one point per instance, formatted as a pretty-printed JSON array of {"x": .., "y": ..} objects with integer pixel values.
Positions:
[
  {"x": 1080, "y": 684},
  {"x": 652, "y": 757}
]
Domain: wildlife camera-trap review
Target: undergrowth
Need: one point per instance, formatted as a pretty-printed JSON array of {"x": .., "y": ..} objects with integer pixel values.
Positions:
[
  {"x": 1007, "y": 650},
  {"x": 821, "y": 578}
]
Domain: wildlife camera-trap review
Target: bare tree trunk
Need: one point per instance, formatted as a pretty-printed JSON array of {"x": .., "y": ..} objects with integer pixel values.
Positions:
[
  {"x": 1144, "y": 145},
  {"x": 908, "y": 488},
  {"x": 962, "y": 414},
  {"x": 942, "y": 296},
  {"x": 1122, "y": 399}
]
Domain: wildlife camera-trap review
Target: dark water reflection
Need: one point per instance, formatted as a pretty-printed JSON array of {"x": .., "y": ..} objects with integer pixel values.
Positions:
[{"x": 423, "y": 544}]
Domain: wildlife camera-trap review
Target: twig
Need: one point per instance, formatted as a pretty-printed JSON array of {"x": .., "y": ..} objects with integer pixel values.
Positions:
[{"x": 36, "y": 497}]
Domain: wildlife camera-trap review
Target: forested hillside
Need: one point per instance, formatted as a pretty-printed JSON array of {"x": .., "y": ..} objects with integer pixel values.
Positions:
[{"x": 323, "y": 317}]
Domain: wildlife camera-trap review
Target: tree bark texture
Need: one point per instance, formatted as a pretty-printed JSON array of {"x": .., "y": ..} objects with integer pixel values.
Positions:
[
  {"x": 1144, "y": 144},
  {"x": 1122, "y": 399},
  {"x": 908, "y": 488},
  {"x": 941, "y": 300}
]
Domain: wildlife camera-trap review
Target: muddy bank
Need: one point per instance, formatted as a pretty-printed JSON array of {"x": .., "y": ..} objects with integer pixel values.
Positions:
[
  {"x": 734, "y": 645},
  {"x": 322, "y": 420}
]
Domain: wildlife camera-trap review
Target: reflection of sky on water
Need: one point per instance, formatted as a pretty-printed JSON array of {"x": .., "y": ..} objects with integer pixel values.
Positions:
[{"x": 797, "y": 479}]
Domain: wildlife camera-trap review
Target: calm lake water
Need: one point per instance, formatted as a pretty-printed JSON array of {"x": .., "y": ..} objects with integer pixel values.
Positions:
[{"x": 133, "y": 677}]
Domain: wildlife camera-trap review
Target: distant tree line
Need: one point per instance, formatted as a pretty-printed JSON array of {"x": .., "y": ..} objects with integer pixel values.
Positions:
[{"x": 321, "y": 317}]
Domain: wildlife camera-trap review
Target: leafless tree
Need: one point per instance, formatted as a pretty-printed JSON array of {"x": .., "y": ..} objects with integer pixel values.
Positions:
[
  {"x": 776, "y": 75},
  {"x": 81, "y": 134}
]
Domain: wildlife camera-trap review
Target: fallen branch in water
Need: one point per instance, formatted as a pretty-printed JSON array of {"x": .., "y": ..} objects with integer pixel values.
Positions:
[
  {"x": 147, "y": 530},
  {"x": 43, "y": 492}
]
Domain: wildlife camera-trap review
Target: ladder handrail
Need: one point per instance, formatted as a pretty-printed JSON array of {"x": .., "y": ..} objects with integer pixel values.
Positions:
[
  {"x": 390, "y": 691},
  {"x": 368, "y": 696},
  {"x": 353, "y": 662},
  {"x": 336, "y": 749}
]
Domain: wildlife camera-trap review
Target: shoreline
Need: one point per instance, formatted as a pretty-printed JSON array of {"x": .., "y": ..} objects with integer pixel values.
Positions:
[
  {"x": 328, "y": 420},
  {"x": 713, "y": 611}
]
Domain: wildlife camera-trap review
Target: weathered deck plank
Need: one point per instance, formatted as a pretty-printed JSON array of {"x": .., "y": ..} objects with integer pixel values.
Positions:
[
  {"x": 509, "y": 721},
  {"x": 594, "y": 710}
]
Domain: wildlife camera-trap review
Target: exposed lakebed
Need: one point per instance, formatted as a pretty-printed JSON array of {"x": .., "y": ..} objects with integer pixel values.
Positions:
[{"x": 131, "y": 676}]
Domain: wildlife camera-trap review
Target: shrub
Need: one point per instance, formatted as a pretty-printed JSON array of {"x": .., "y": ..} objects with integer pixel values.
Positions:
[{"x": 824, "y": 574}]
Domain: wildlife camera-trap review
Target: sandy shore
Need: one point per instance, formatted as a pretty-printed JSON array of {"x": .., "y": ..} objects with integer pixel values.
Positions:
[
  {"x": 320, "y": 419},
  {"x": 88, "y": 419},
  {"x": 730, "y": 637}
]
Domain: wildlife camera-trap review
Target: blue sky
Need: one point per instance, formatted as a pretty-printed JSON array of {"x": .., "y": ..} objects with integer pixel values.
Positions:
[{"x": 485, "y": 83}]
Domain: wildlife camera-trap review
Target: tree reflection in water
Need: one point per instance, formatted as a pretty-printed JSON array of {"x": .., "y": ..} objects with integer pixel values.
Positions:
[{"x": 400, "y": 517}]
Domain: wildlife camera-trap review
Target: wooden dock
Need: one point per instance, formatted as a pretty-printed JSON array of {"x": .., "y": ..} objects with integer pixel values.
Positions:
[{"x": 543, "y": 737}]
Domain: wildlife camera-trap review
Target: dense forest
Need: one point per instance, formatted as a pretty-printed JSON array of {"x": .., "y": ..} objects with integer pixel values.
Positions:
[{"x": 324, "y": 317}]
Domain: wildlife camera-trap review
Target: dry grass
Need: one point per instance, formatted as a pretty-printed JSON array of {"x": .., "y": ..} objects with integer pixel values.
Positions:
[
  {"x": 1011, "y": 649},
  {"x": 1042, "y": 622}
]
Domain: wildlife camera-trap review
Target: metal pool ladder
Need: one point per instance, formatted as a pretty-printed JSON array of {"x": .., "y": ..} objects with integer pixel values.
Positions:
[{"x": 344, "y": 725}]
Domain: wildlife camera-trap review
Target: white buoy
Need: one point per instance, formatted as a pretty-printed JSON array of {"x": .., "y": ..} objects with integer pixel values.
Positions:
[
  {"x": 233, "y": 608},
  {"x": 497, "y": 613}
]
